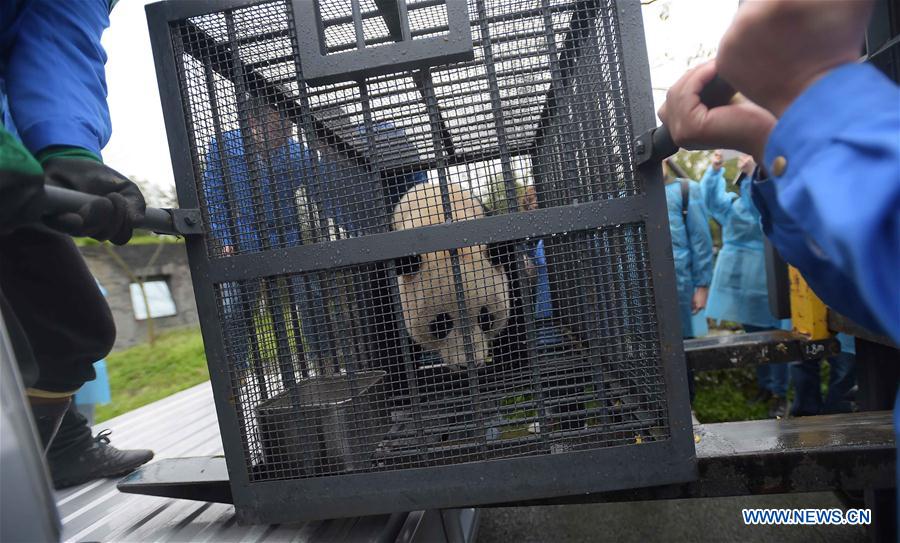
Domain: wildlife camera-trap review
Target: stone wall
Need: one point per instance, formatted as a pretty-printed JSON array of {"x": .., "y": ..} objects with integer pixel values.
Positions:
[{"x": 169, "y": 264}]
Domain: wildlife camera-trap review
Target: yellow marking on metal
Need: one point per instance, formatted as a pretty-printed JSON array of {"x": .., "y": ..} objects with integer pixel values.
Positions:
[{"x": 809, "y": 315}]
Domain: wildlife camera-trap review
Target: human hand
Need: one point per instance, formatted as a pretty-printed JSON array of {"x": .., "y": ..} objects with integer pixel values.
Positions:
[
  {"x": 775, "y": 49},
  {"x": 111, "y": 218},
  {"x": 746, "y": 164},
  {"x": 717, "y": 161},
  {"x": 742, "y": 126},
  {"x": 698, "y": 301}
]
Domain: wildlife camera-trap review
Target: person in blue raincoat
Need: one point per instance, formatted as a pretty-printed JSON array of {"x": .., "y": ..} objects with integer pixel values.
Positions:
[
  {"x": 739, "y": 292},
  {"x": 692, "y": 252}
]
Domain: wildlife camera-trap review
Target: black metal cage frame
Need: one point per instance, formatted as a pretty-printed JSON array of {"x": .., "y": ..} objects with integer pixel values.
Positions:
[{"x": 489, "y": 481}]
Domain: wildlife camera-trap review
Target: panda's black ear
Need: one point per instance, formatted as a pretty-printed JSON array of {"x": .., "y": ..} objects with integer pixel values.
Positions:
[
  {"x": 408, "y": 265},
  {"x": 501, "y": 253}
]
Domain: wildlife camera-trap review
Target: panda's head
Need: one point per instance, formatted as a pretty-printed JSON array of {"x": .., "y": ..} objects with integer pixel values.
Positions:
[{"x": 428, "y": 292}]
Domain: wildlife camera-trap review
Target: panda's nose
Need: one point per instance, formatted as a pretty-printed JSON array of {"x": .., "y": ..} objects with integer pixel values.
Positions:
[{"x": 441, "y": 325}]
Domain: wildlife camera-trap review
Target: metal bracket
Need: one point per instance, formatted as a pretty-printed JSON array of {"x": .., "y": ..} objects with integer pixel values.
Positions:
[
  {"x": 187, "y": 222},
  {"x": 378, "y": 56}
]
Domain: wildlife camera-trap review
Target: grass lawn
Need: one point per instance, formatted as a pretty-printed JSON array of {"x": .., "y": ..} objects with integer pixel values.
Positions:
[
  {"x": 723, "y": 396},
  {"x": 143, "y": 374},
  {"x": 140, "y": 238}
]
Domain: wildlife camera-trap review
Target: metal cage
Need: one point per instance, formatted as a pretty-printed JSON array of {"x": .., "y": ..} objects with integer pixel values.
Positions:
[{"x": 433, "y": 285}]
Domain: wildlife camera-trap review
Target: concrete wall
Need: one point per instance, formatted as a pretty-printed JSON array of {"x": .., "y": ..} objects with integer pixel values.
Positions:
[{"x": 171, "y": 264}]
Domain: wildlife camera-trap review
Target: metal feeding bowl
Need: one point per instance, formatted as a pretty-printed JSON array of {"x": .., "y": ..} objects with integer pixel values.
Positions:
[
  {"x": 429, "y": 274},
  {"x": 329, "y": 432}
]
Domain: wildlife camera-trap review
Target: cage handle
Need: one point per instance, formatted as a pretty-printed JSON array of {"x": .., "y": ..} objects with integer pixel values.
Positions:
[
  {"x": 162, "y": 221},
  {"x": 656, "y": 145}
]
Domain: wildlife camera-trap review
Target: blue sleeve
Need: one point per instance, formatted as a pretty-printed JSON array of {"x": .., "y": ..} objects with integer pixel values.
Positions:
[
  {"x": 701, "y": 239},
  {"x": 56, "y": 80},
  {"x": 214, "y": 192},
  {"x": 833, "y": 212},
  {"x": 716, "y": 199}
]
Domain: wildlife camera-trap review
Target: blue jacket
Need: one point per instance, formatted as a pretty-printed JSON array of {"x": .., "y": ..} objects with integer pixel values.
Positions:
[
  {"x": 52, "y": 78},
  {"x": 834, "y": 213},
  {"x": 346, "y": 193},
  {"x": 692, "y": 250},
  {"x": 230, "y": 183},
  {"x": 738, "y": 291},
  {"x": 543, "y": 302}
]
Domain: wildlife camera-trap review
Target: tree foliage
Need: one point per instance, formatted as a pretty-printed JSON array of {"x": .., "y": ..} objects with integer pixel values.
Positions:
[
  {"x": 156, "y": 195},
  {"x": 495, "y": 201}
]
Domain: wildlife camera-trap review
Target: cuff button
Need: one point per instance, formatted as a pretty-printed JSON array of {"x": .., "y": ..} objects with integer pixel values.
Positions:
[{"x": 779, "y": 166}]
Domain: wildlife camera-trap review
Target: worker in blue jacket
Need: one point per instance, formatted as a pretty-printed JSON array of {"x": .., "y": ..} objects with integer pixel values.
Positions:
[
  {"x": 692, "y": 252},
  {"x": 738, "y": 292},
  {"x": 55, "y": 124},
  {"x": 252, "y": 201}
]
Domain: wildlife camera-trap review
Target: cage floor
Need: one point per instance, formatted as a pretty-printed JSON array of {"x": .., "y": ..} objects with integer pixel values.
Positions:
[{"x": 562, "y": 405}]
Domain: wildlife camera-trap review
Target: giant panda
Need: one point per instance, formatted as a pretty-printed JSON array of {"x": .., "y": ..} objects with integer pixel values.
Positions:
[{"x": 427, "y": 288}]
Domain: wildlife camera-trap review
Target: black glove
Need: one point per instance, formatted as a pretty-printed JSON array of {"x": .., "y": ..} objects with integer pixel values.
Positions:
[
  {"x": 111, "y": 218},
  {"x": 21, "y": 199}
]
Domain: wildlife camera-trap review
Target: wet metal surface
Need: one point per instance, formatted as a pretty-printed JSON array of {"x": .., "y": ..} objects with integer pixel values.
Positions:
[
  {"x": 738, "y": 350},
  {"x": 812, "y": 434},
  {"x": 735, "y": 458},
  {"x": 809, "y": 454}
]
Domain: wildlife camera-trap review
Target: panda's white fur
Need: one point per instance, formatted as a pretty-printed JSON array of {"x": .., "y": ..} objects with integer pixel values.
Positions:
[{"x": 428, "y": 293}]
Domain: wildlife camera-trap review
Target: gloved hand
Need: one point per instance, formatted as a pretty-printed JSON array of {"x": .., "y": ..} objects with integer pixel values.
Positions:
[
  {"x": 111, "y": 218},
  {"x": 21, "y": 184}
]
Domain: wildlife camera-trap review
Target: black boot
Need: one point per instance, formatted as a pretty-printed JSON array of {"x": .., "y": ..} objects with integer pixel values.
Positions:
[
  {"x": 778, "y": 407},
  {"x": 76, "y": 457},
  {"x": 48, "y": 414}
]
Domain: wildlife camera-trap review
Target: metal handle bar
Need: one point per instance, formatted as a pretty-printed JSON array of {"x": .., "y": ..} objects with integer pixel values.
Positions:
[
  {"x": 61, "y": 200},
  {"x": 714, "y": 94}
]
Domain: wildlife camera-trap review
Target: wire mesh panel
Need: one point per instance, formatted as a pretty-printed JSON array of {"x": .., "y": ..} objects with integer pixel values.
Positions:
[{"x": 448, "y": 273}]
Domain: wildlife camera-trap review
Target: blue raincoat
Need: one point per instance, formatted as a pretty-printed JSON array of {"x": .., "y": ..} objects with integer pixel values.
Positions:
[
  {"x": 692, "y": 251},
  {"x": 738, "y": 291},
  {"x": 41, "y": 36},
  {"x": 96, "y": 392}
]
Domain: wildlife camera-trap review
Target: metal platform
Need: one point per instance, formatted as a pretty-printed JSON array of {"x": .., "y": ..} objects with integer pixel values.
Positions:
[
  {"x": 851, "y": 452},
  {"x": 185, "y": 425}
]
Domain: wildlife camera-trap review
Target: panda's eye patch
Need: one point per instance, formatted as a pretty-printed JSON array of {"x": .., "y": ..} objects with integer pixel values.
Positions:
[
  {"x": 485, "y": 319},
  {"x": 441, "y": 325}
]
